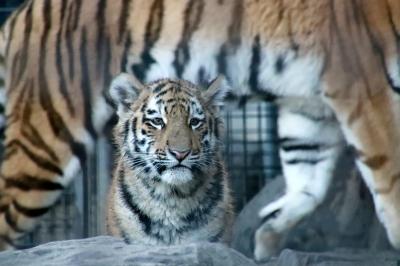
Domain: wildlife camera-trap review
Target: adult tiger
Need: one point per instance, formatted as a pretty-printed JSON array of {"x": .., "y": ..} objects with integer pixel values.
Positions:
[{"x": 333, "y": 62}]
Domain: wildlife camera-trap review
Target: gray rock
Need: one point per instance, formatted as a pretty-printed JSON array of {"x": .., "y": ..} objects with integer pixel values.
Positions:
[
  {"x": 109, "y": 251},
  {"x": 338, "y": 258}
]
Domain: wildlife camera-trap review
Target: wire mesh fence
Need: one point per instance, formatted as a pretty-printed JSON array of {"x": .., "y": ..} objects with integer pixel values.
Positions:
[
  {"x": 251, "y": 155},
  {"x": 250, "y": 147}
]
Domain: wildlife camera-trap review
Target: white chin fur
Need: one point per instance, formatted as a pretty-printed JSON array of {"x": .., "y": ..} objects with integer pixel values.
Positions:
[{"x": 177, "y": 176}]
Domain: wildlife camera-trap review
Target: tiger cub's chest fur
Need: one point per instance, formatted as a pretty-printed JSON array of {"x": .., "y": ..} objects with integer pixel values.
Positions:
[
  {"x": 150, "y": 213},
  {"x": 169, "y": 185}
]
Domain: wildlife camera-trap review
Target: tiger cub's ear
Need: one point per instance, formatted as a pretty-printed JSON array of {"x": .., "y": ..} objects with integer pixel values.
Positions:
[
  {"x": 216, "y": 91},
  {"x": 124, "y": 90}
]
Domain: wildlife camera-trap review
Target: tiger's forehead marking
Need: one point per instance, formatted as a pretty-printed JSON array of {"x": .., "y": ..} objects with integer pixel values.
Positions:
[{"x": 168, "y": 96}]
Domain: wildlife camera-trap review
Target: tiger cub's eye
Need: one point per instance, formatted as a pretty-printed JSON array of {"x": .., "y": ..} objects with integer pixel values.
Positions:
[
  {"x": 157, "y": 122},
  {"x": 195, "y": 122}
]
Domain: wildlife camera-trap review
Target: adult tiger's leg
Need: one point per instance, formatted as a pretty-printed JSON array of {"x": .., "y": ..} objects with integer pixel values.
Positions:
[
  {"x": 371, "y": 124},
  {"x": 41, "y": 157},
  {"x": 359, "y": 81},
  {"x": 311, "y": 142}
]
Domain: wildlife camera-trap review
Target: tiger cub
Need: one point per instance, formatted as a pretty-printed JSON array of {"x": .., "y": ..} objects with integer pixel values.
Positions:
[{"x": 169, "y": 184}]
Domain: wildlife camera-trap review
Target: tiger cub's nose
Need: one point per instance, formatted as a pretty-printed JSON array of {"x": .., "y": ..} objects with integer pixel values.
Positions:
[{"x": 179, "y": 155}]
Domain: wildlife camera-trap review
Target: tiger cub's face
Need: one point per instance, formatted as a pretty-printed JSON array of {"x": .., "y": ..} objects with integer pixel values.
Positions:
[{"x": 167, "y": 129}]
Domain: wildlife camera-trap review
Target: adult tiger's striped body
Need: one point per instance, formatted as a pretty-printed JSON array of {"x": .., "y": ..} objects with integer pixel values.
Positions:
[
  {"x": 170, "y": 185},
  {"x": 339, "y": 56}
]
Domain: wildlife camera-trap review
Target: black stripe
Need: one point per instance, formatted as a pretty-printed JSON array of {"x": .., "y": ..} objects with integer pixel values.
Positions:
[
  {"x": 301, "y": 147},
  {"x": 10, "y": 221},
  {"x": 144, "y": 219},
  {"x": 123, "y": 18},
  {"x": 73, "y": 22},
  {"x": 151, "y": 111},
  {"x": 221, "y": 61},
  {"x": 134, "y": 127},
  {"x": 143, "y": 108},
  {"x": 304, "y": 161},
  {"x": 272, "y": 215},
  {"x": 30, "y": 212},
  {"x": 192, "y": 18},
  {"x": 158, "y": 88},
  {"x": 210, "y": 123},
  {"x": 69, "y": 41},
  {"x": 126, "y": 131},
  {"x": 234, "y": 31},
  {"x": 280, "y": 64},
  {"x": 77, "y": 14},
  {"x": 62, "y": 13},
  {"x": 25, "y": 43},
  {"x": 154, "y": 25},
  {"x": 107, "y": 75},
  {"x": 172, "y": 100},
  {"x": 14, "y": 80},
  {"x": 217, "y": 123},
  {"x": 100, "y": 23},
  {"x": 60, "y": 62},
  {"x": 86, "y": 86},
  {"x": 147, "y": 169},
  {"x": 3, "y": 208},
  {"x": 15, "y": 110},
  {"x": 201, "y": 77},
  {"x": 27, "y": 182},
  {"x": 124, "y": 59},
  {"x": 255, "y": 64},
  {"x": 141, "y": 142},
  {"x": 290, "y": 144},
  {"x": 159, "y": 167},
  {"x": 46, "y": 14},
  {"x": 163, "y": 93},
  {"x": 38, "y": 160},
  {"x": 11, "y": 34},
  {"x": 153, "y": 30}
]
